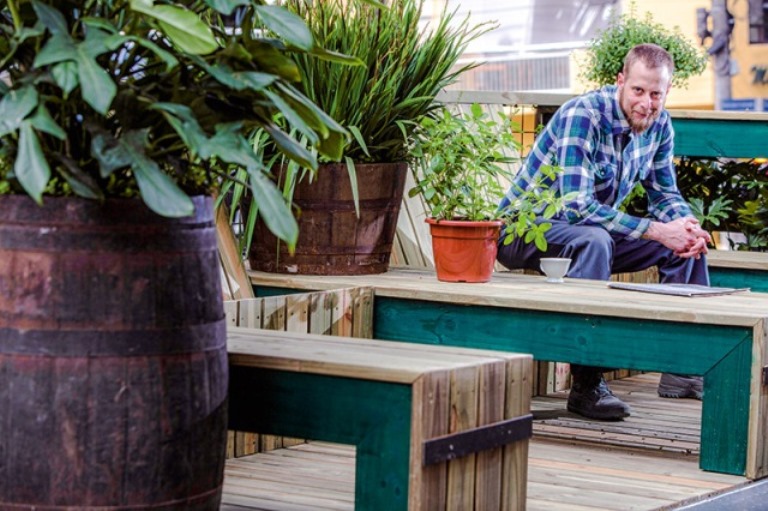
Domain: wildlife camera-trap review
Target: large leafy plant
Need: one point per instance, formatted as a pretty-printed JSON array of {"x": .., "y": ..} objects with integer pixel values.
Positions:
[{"x": 118, "y": 97}]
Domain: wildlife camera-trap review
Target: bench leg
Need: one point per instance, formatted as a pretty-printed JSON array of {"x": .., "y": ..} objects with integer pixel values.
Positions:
[
  {"x": 725, "y": 412},
  {"x": 373, "y": 416}
]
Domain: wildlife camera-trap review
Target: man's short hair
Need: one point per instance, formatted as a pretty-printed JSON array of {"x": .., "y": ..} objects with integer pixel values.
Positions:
[{"x": 652, "y": 55}]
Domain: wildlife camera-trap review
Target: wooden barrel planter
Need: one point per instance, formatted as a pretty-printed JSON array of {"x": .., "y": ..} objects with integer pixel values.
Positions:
[
  {"x": 332, "y": 239},
  {"x": 113, "y": 362}
]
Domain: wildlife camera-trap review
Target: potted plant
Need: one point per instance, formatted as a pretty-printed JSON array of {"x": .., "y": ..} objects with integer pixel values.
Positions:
[
  {"x": 347, "y": 211},
  {"x": 461, "y": 165},
  {"x": 117, "y": 121}
]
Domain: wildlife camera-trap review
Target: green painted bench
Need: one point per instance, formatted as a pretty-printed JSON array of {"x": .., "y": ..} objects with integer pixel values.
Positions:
[
  {"x": 722, "y": 338},
  {"x": 739, "y": 269},
  {"x": 435, "y": 428}
]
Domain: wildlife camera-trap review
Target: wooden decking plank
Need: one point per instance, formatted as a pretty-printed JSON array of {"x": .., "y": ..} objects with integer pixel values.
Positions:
[{"x": 562, "y": 475}]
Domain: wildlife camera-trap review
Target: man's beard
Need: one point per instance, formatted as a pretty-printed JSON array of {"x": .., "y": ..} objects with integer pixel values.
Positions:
[{"x": 638, "y": 127}]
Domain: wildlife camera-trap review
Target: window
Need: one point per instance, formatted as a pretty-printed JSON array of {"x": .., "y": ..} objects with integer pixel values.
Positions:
[{"x": 758, "y": 21}]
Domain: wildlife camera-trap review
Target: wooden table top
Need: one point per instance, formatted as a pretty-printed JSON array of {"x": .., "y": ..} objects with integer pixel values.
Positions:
[{"x": 520, "y": 291}]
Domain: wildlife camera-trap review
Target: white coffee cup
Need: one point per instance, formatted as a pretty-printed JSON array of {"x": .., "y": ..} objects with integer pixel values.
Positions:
[{"x": 555, "y": 268}]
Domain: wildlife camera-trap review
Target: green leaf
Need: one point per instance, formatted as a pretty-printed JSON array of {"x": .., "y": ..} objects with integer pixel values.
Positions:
[
  {"x": 359, "y": 138},
  {"x": 311, "y": 113},
  {"x": 183, "y": 27},
  {"x": 110, "y": 154},
  {"x": 255, "y": 80},
  {"x": 374, "y": 3},
  {"x": 65, "y": 75},
  {"x": 272, "y": 207},
  {"x": 59, "y": 48},
  {"x": 81, "y": 182},
  {"x": 269, "y": 59},
  {"x": 30, "y": 166},
  {"x": 96, "y": 85},
  {"x": 183, "y": 120},
  {"x": 158, "y": 191},
  {"x": 334, "y": 56},
  {"x": 332, "y": 146},
  {"x": 50, "y": 17},
  {"x": 287, "y": 25},
  {"x": 292, "y": 117},
  {"x": 353, "y": 183},
  {"x": 42, "y": 121},
  {"x": 226, "y": 6},
  {"x": 15, "y": 106},
  {"x": 230, "y": 146},
  {"x": 291, "y": 148},
  {"x": 100, "y": 23}
]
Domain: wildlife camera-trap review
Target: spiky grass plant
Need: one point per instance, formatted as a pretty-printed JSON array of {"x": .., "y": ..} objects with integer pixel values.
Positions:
[{"x": 406, "y": 65}]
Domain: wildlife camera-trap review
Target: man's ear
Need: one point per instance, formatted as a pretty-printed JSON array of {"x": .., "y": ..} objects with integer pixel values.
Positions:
[{"x": 620, "y": 79}]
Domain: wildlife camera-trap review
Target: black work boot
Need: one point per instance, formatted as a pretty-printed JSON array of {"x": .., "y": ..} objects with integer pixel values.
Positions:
[{"x": 591, "y": 397}]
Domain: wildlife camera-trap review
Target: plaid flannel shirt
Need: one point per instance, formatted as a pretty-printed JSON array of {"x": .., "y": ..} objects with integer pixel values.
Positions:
[{"x": 585, "y": 138}]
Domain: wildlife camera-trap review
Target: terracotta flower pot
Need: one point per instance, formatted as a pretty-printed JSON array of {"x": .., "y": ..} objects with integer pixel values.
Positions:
[{"x": 464, "y": 251}]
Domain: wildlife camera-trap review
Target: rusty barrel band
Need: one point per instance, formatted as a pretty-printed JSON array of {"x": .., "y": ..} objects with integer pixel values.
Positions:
[
  {"x": 138, "y": 240},
  {"x": 111, "y": 343}
]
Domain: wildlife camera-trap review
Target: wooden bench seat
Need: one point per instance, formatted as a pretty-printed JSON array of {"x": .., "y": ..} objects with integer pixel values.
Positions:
[
  {"x": 435, "y": 428},
  {"x": 723, "y": 338}
]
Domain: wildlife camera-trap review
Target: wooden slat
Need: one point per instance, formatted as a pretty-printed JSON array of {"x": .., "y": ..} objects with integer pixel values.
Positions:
[
  {"x": 461, "y": 472},
  {"x": 562, "y": 475},
  {"x": 429, "y": 484},
  {"x": 515, "y": 464},
  {"x": 491, "y": 408},
  {"x": 757, "y": 455},
  {"x": 236, "y": 282}
]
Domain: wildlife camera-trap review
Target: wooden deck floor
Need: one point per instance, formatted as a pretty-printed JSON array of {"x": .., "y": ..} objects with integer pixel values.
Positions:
[{"x": 647, "y": 462}]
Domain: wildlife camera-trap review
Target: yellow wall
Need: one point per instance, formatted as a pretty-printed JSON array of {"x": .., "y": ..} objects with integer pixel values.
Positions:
[{"x": 746, "y": 55}]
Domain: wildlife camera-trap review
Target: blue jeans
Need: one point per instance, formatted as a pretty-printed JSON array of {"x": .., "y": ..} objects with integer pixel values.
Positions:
[{"x": 596, "y": 254}]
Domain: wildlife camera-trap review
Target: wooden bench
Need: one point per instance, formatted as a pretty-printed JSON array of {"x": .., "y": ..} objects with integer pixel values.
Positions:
[
  {"x": 729, "y": 268},
  {"x": 435, "y": 428},
  {"x": 343, "y": 312},
  {"x": 723, "y": 338}
]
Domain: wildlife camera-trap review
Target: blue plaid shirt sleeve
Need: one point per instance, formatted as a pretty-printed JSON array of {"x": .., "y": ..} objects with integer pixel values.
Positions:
[{"x": 664, "y": 198}]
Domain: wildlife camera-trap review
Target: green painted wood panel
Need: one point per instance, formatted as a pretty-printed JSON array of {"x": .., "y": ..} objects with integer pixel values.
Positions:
[
  {"x": 716, "y": 138},
  {"x": 373, "y": 416},
  {"x": 267, "y": 291},
  {"x": 726, "y": 402},
  {"x": 594, "y": 340},
  {"x": 756, "y": 280},
  {"x": 712, "y": 350}
]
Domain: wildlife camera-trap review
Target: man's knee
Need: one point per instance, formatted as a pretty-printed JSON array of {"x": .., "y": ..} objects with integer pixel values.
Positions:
[{"x": 594, "y": 243}]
